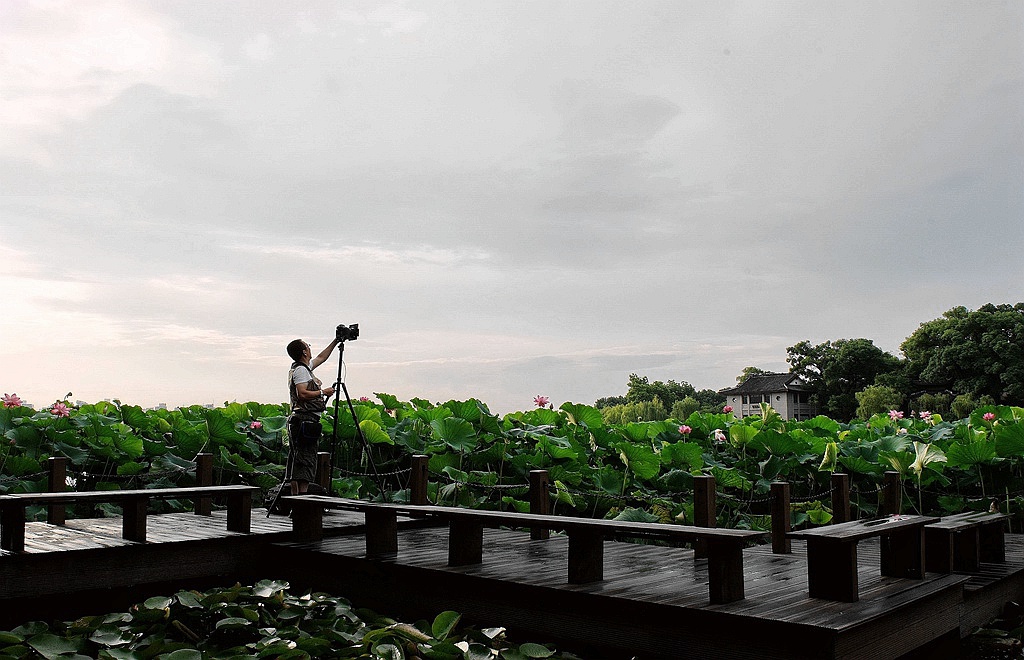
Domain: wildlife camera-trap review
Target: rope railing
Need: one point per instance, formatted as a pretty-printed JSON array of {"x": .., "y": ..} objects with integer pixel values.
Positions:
[{"x": 714, "y": 500}]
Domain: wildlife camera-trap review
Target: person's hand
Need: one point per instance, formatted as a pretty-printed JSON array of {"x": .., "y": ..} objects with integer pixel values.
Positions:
[{"x": 328, "y": 392}]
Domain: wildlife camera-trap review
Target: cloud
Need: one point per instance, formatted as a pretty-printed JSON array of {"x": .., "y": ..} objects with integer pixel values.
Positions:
[
  {"x": 64, "y": 59},
  {"x": 536, "y": 198}
]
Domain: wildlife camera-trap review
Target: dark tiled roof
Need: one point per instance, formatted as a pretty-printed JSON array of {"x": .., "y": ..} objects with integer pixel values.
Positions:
[{"x": 763, "y": 383}]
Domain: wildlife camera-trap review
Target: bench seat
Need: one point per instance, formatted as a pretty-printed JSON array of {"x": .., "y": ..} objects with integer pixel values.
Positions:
[
  {"x": 832, "y": 553},
  {"x": 134, "y": 504},
  {"x": 962, "y": 541},
  {"x": 586, "y": 536}
]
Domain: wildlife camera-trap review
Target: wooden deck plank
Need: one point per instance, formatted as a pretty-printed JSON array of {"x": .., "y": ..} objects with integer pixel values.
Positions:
[{"x": 776, "y": 584}]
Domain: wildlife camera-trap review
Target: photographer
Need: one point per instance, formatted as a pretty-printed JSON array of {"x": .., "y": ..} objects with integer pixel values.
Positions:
[{"x": 308, "y": 400}]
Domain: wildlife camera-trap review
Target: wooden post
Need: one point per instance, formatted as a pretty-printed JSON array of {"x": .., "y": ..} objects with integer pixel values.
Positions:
[
  {"x": 12, "y": 526},
  {"x": 418, "y": 472},
  {"x": 307, "y": 521},
  {"x": 240, "y": 512},
  {"x": 381, "y": 532},
  {"x": 540, "y": 502},
  {"x": 586, "y": 556},
  {"x": 204, "y": 477},
  {"x": 725, "y": 571},
  {"x": 465, "y": 542},
  {"x": 892, "y": 495},
  {"x": 840, "y": 497},
  {"x": 323, "y": 470},
  {"x": 703, "y": 510},
  {"x": 781, "y": 518},
  {"x": 903, "y": 553},
  {"x": 58, "y": 481},
  {"x": 832, "y": 569},
  {"x": 133, "y": 519}
]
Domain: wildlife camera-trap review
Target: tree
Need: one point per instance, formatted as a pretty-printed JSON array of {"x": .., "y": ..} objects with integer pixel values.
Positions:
[
  {"x": 608, "y": 401},
  {"x": 964, "y": 404},
  {"x": 979, "y": 353},
  {"x": 637, "y": 411},
  {"x": 748, "y": 372},
  {"x": 685, "y": 407},
  {"x": 878, "y": 399},
  {"x": 837, "y": 370},
  {"x": 710, "y": 400},
  {"x": 641, "y": 389}
]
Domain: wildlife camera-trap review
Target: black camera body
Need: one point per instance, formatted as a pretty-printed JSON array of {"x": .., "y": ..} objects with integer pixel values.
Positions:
[{"x": 348, "y": 332}]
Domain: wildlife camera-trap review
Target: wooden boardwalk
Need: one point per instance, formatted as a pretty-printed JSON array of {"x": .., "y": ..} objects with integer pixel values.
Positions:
[{"x": 653, "y": 602}]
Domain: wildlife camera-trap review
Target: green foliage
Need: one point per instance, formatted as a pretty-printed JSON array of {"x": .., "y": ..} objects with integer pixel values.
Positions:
[
  {"x": 637, "y": 411},
  {"x": 641, "y": 389},
  {"x": 264, "y": 620},
  {"x": 837, "y": 370},
  {"x": 748, "y": 372},
  {"x": 685, "y": 407},
  {"x": 478, "y": 459},
  {"x": 876, "y": 399},
  {"x": 978, "y": 353}
]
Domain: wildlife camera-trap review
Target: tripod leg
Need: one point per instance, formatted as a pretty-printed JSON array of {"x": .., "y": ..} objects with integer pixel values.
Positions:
[{"x": 284, "y": 480}]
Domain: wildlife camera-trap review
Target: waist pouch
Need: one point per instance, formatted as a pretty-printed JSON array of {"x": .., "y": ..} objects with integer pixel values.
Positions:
[{"x": 306, "y": 430}]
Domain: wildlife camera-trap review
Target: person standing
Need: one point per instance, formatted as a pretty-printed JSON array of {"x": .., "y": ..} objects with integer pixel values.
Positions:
[{"x": 308, "y": 400}]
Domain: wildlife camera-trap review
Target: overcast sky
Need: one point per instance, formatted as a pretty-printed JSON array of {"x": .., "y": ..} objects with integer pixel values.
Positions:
[{"x": 509, "y": 198}]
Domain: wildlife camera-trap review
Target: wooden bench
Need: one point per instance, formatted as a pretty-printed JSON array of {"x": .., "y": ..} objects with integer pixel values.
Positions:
[
  {"x": 832, "y": 553},
  {"x": 134, "y": 504},
  {"x": 586, "y": 537},
  {"x": 961, "y": 542}
]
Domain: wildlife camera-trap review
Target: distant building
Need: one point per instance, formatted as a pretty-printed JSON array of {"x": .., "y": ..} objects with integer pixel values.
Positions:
[{"x": 786, "y": 393}]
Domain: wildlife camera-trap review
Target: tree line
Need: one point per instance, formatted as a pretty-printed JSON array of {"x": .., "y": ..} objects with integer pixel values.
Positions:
[{"x": 949, "y": 365}]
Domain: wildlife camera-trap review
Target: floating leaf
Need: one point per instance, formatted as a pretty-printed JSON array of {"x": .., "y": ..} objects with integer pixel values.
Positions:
[
  {"x": 188, "y": 599},
  {"x": 111, "y": 636},
  {"x": 232, "y": 623},
  {"x": 531, "y": 650},
  {"x": 51, "y": 646},
  {"x": 8, "y": 638},
  {"x": 444, "y": 623},
  {"x": 183, "y": 654},
  {"x": 157, "y": 603},
  {"x": 268, "y": 588}
]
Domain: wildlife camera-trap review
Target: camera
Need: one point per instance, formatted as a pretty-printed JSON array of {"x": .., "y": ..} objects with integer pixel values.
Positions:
[{"x": 348, "y": 332}]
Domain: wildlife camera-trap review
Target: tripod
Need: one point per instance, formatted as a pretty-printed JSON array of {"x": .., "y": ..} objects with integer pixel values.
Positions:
[{"x": 355, "y": 419}]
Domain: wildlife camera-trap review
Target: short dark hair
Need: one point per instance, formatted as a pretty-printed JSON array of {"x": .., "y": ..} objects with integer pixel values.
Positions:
[{"x": 295, "y": 348}]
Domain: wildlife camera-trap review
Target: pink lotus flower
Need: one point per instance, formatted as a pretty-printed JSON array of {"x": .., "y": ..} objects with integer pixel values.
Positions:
[
  {"x": 12, "y": 401},
  {"x": 924, "y": 414},
  {"x": 727, "y": 409},
  {"x": 256, "y": 424},
  {"x": 720, "y": 436},
  {"x": 60, "y": 409},
  {"x": 685, "y": 430},
  {"x": 989, "y": 416},
  {"x": 895, "y": 414},
  {"x": 540, "y": 401},
  {"x": 364, "y": 399}
]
